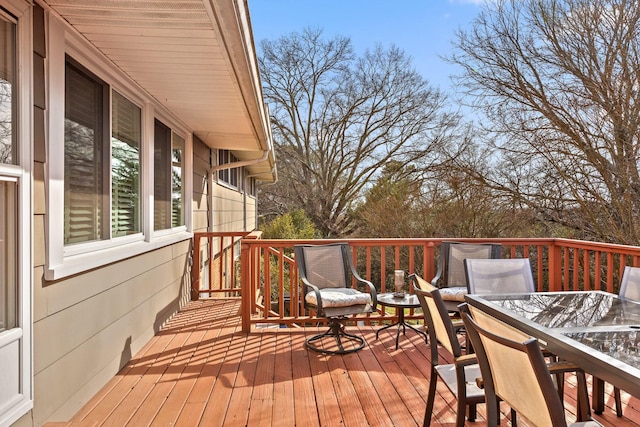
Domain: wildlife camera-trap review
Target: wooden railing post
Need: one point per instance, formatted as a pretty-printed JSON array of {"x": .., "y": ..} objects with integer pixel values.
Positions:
[
  {"x": 250, "y": 262},
  {"x": 555, "y": 267},
  {"x": 195, "y": 269},
  {"x": 246, "y": 277}
]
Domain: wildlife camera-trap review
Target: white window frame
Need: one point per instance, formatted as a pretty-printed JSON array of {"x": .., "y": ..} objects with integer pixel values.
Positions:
[
  {"x": 61, "y": 260},
  {"x": 252, "y": 186},
  {"x": 237, "y": 171},
  {"x": 21, "y": 172}
]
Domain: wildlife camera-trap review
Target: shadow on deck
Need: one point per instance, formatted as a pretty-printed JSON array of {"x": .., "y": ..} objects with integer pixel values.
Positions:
[{"x": 200, "y": 369}]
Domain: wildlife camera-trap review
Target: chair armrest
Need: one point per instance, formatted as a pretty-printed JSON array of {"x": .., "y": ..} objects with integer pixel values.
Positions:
[
  {"x": 437, "y": 279},
  {"x": 466, "y": 360},
  {"x": 306, "y": 284},
  {"x": 562, "y": 366},
  {"x": 370, "y": 288}
]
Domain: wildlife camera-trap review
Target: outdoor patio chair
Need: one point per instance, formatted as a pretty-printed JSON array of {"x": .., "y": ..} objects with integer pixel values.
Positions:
[
  {"x": 503, "y": 276},
  {"x": 499, "y": 276},
  {"x": 450, "y": 277},
  {"x": 630, "y": 290},
  {"x": 515, "y": 371},
  {"x": 556, "y": 368},
  {"x": 327, "y": 273},
  {"x": 630, "y": 284},
  {"x": 459, "y": 376}
]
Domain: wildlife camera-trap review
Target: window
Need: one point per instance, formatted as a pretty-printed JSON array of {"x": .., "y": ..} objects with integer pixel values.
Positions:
[
  {"x": 168, "y": 178},
  {"x": 118, "y": 176},
  {"x": 84, "y": 156},
  {"x": 229, "y": 176},
  {"x": 253, "y": 189},
  {"x": 8, "y": 89},
  {"x": 177, "y": 187},
  {"x": 8, "y": 251},
  {"x": 8, "y": 191},
  {"x": 126, "y": 138},
  {"x": 93, "y": 163}
]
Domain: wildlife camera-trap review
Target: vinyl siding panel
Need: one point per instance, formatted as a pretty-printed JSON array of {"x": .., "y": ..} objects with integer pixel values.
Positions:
[
  {"x": 252, "y": 220},
  {"x": 228, "y": 206},
  {"x": 93, "y": 323}
]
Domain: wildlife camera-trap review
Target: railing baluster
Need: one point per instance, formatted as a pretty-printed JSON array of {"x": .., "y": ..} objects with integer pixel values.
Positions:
[
  {"x": 609, "y": 271},
  {"x": 540, "y": 278},
  {"x": 586, "y": 271},
  {"x": 597, "y": 269},
  {"x": 383, "y": 268}
]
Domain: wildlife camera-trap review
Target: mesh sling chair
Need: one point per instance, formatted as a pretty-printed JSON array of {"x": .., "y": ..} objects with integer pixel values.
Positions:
[
  {"x": 630, "y": 284},
  {"x": 499, "y": 276},
  {"x": 459, "y": 376},
  {"x": 629, "y": 290},
  {"x": 515, "y": 371},
  {"x": 450, "y": 277},
  {"x": 326, "y": 273}
]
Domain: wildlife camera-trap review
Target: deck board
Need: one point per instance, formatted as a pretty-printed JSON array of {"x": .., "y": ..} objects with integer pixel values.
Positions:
[
  {"x": 304, "y": 404},
  {"x": 200, "y": 369}
]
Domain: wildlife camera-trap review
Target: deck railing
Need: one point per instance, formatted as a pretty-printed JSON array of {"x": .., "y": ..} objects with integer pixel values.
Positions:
[
  {"x": 215, "y": 256},
  {"x": 269, "y": 280}
]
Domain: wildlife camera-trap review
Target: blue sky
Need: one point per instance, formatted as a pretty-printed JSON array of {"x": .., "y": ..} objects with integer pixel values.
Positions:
[{"x": 422, "y": 28}]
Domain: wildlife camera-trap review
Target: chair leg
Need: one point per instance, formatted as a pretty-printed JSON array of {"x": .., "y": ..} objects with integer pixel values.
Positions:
[
  {"x": 584, "y": 412},
  {"x": 618, "y": 399},
  {"x": 560, "y": 386},
  {"x": 493, "y": 409},
  {"x": 433, "y": 380},
  {"x": 461, "y": 412},
  {"x": 472, "y": 413}
]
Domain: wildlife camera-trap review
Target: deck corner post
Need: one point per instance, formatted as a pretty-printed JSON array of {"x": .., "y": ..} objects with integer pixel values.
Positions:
[
  {"x": 246, "y": 264},
  {"x": 195, "y": 268}
]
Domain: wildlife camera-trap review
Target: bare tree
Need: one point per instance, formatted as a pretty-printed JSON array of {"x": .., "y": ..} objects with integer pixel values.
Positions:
[
  {"x": 338, "y": 118},
  {"x": 559, "y": 81}
]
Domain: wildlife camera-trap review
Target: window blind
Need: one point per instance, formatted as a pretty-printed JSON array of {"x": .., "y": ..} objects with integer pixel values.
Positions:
[
  {"x": 162, "y": 176},
  {"x": 84, "y": 179},
  {"x": 125, "y": 166},
  {"x": 177, "y": 189}
]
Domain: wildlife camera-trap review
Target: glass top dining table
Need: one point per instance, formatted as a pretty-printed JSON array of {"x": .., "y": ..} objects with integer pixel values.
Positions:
[{"x": 598, "y": 331}]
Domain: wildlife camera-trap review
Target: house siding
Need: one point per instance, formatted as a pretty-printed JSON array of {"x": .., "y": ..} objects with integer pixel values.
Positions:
[
  {"x": 251, "y": 213},
  {"x": 86, "y": 327},
  {"x": 93, "y": 323},
  {"x": 228, "y": 205}
]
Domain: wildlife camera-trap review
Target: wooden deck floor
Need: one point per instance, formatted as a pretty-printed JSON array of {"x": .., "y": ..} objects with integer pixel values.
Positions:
[{"x": 202, "y": 370}]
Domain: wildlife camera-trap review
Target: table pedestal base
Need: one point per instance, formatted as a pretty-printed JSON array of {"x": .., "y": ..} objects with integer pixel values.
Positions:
[{"x": 401, "y": 325}]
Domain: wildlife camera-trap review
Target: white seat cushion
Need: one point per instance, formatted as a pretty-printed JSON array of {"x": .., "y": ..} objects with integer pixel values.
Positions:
[
  {"x": 455, "y": 293},
  {"x": 338, "y": 297}
]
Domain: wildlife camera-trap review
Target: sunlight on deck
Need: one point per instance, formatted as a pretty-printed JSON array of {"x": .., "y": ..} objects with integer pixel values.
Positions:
[{"x": 200, "y": 369}]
